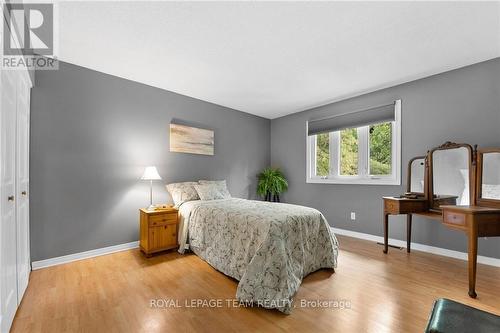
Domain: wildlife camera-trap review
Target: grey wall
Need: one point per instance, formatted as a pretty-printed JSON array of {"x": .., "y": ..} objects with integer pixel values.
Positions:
[
  {"x": 461, "y": 105},
  {"x": 91, "y": 136}
]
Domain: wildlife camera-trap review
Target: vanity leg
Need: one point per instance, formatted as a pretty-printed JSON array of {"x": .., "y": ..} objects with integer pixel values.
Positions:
[
  {"x": 472, "y": 258},
  {"x": 408, "y": 232},
  {"x": 386, "y": 232}
]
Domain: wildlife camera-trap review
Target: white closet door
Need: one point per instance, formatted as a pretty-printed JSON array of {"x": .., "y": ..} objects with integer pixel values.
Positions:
[
  {"x": 22, "y": 185},
  {"x": 8, "y": 266}
]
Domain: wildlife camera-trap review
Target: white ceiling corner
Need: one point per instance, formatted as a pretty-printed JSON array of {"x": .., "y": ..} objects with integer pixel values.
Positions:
[{"x": 276, "y": 58}]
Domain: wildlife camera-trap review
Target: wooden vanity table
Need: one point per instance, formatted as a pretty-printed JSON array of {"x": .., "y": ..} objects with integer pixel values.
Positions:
[{"x": 472, "y": 206}]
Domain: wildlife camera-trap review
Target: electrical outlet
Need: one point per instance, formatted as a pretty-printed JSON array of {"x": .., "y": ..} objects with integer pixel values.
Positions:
[{"x": 353, "y": 216}]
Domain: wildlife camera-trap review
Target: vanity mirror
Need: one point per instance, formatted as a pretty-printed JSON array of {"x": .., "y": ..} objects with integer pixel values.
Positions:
[
  {"x": 488, "y": 177},
  {"x": 416, "y": 177},
  {"x": 450, "y": 175}
]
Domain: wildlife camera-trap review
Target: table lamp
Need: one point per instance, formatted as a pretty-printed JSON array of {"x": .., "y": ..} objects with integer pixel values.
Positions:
[{"x": 150, "y": 173}]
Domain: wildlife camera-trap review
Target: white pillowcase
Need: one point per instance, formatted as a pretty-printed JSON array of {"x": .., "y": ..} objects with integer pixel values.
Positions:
[
  {"x": 220, "y": 184},
  {"x": 208, "y": 192},
  {"x": 182, "y": 192}
]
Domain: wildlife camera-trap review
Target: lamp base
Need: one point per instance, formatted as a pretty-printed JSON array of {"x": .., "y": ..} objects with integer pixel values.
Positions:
[{"x": 151, "y": 207}]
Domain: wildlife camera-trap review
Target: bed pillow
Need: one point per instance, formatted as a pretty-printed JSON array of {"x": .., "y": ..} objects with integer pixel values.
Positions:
[
  {"x": 220, "y": 184},
  {"x": 490, "y": 191},
  {"x": 182, "y": 192},
  {"x": 209, "y": 191}
]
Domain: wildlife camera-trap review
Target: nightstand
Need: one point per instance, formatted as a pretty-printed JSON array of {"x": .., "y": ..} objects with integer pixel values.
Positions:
[{"x": 158, "y": 230}]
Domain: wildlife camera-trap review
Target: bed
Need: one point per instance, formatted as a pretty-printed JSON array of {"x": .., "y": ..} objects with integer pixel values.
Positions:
[{"x": 268, "y": 247}]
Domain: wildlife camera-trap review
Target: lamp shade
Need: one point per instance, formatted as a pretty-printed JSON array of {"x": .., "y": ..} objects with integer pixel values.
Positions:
[{"x": 150, "y": 173}]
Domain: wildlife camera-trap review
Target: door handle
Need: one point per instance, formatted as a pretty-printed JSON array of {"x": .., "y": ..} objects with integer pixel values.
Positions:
[
  {"x": 10, "y": 198},
  {"x": 24, "y": 193}
]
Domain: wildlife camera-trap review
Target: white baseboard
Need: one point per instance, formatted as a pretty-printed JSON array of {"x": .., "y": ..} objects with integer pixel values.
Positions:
[
  {"x": 132, "y": 245},
  {"x": 419, "y": 247},
  {"x": 83, "y": 255}
]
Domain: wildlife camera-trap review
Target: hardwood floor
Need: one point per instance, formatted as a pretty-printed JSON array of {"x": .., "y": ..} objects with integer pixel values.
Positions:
[{"x": 387, "y": 293}]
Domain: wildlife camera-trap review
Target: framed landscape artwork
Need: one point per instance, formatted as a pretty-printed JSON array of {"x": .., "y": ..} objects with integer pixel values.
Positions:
[{"x": 185, "y": 139}]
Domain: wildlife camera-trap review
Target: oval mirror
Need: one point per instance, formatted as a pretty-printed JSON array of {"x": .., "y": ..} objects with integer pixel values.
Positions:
[
  {"x": 416, "y": 175},
  {"x": 451, "y": 175}
]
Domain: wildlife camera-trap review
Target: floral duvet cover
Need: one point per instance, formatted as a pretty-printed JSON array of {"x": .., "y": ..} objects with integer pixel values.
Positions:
[{"x": 268, "y": 247}]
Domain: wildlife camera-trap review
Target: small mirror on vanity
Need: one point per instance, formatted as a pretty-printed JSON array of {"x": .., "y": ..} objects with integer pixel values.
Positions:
[
  {"x": 488, "y": 177},
  {"x": 416, "y": 177},
  {"x": 450, "y": 167}
]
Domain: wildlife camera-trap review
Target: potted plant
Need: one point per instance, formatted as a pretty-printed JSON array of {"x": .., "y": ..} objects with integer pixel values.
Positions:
[{"x": 271, "y": 184}]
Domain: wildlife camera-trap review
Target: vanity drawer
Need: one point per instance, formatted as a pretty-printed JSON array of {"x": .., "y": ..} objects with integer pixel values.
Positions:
[
  {"x": 454, "y": 218},
  {"x": 404, "y": 206},
  {"x": 157, "y": 220},
  {"x": 391, "y": 206}
]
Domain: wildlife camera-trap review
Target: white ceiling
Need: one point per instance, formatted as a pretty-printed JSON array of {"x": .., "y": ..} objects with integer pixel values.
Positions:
[{"x": 276, "y": 58}]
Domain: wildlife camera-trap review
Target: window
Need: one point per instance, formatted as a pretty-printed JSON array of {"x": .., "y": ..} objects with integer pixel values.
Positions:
[{"x": 356, "y": 148}]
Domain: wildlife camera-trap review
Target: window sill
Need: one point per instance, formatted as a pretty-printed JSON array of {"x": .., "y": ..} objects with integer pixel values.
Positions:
[{"x": 359, "y": 181}]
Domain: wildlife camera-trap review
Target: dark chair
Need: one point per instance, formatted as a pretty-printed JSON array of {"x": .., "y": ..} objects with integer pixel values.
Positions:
[{"x": 448, "y": 316}]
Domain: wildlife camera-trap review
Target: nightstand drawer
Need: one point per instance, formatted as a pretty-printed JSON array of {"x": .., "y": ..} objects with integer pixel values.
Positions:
[
  {"x": 157, "y": 220},
  {"x": 454, "y": 218},
  {"x": 162, "y": 237}
]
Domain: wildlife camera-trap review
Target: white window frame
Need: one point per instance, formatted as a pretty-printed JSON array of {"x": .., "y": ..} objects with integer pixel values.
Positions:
[{"x": 363, "y": 177}]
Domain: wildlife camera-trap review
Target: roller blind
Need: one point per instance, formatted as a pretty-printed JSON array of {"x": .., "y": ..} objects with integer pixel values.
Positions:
[{"x": 376, "y": 115}]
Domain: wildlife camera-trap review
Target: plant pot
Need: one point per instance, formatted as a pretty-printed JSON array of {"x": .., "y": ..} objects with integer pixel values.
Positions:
[{"x": 272, "y": 197}]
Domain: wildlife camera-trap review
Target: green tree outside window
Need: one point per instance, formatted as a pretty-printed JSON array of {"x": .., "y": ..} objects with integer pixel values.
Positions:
[
  {"x": 349, "y": 152},
  {"x": 323, "y": 154},
  {"x": 380, "y": 149},
  {"x": 380, "y": 146}
]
